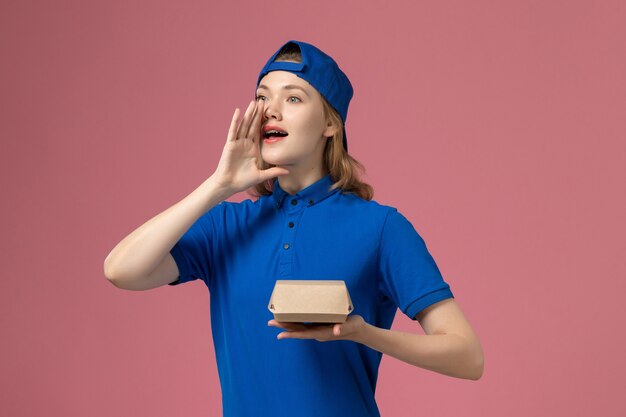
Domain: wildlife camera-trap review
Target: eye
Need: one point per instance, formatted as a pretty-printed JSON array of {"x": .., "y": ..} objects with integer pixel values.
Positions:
[
  {"x": 259, "y": 97},
  {"x": 295, "y": 98}
]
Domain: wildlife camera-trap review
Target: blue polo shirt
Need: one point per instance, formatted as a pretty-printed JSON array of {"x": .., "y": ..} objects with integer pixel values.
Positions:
[{"x": 240, "y": 249}]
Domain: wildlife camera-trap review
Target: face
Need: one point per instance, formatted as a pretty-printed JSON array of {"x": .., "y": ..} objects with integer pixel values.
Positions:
[{"x": 291, "y": 104}]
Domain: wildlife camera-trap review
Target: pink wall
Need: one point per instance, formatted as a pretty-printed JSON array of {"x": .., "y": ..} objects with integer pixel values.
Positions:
[{"x": 496, "y": 127}]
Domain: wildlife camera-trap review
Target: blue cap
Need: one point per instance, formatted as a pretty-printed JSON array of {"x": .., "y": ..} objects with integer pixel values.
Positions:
[{"x": 322, "y": 72}]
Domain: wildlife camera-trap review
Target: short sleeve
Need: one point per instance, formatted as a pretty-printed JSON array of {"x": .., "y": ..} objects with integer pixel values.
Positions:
[
  {"x": 409, "y": 274},
  {"x": 193, "y": 251}
]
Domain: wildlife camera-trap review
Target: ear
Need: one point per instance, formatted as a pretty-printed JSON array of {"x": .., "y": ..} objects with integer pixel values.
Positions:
[{"x": 330, "y": 130}]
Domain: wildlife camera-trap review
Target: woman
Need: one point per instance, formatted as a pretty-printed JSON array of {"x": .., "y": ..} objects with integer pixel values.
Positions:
[{"x": 314, "y": 219}]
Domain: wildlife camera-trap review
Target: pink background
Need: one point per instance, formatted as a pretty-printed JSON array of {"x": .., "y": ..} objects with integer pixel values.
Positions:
[{"x": 496, "y": 127}]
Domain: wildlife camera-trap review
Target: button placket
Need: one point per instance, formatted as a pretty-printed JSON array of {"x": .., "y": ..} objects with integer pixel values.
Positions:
[{"x": 294, "y": 209}]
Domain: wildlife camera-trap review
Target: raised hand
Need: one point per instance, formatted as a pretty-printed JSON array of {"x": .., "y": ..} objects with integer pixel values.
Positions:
[{"x": 237, "y": 169}]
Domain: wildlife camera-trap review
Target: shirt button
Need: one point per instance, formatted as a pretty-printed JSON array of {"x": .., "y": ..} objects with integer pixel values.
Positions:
[
  {"x": 286, "y": 246},
  {"x": 310, "y": 201},
  {"x": 294, "y": 202},
  {"x": 290, "y": 224}
]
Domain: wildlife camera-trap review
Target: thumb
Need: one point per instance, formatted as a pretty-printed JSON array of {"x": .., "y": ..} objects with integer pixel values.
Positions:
[
  {"x": 266, "y": 174},
  {"x": 337, "y": 329}
]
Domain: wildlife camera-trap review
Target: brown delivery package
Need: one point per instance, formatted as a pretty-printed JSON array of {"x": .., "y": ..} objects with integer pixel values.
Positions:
[{"x": 309, "y": 301}]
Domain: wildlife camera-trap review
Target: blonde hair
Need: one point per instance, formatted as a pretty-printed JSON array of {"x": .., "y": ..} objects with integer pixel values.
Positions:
[{"x": 344, "y": 170}]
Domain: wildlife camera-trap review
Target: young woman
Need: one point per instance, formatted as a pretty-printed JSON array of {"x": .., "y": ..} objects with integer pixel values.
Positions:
[{"x": 313, "y": 219}]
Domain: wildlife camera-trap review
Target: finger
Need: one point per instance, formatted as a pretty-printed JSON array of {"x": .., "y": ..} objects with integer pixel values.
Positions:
[
  {"x": 287, "y": 325},
  {"x": 321, "y": 333},
  {"x": 255, "y": 128},
  {"x": 232, "y": 130},
  {"x": 286, "y": 335},
  {"x": 245, "y": 123},
  {"x": 296, "y": 335},
  {"x": 253, "y": 117},
  {"x": 270, "y": 173},
  {"x": 243, "y": 127}
]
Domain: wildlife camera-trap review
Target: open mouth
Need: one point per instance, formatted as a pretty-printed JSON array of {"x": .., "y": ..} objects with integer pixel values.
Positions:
[{"x": 274, "y": 134}]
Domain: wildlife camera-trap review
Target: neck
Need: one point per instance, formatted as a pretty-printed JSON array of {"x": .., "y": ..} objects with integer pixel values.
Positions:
[{"x": 298, "y": 178}]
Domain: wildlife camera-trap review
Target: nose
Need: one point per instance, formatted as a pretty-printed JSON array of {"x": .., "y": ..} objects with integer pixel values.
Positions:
[{"x": 271, "y": 110}]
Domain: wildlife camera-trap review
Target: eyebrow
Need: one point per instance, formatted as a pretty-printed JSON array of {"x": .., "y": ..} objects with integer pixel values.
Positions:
[{"x": 287, "y": 87}]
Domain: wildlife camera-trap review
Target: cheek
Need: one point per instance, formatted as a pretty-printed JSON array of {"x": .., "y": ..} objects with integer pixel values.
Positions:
[{"x": 308, "y": 123}]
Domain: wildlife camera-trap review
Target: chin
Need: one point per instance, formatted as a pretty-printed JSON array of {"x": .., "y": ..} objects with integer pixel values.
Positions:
[{"x": 275, "y": 158}]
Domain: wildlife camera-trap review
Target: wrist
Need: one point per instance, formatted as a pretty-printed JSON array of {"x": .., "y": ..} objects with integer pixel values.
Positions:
[
  {"x": 363, "y": 334},
  {"x": 219, "y": 187}
]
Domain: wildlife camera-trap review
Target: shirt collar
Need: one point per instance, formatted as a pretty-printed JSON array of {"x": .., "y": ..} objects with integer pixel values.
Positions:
[{"x": 312, "y": 194}]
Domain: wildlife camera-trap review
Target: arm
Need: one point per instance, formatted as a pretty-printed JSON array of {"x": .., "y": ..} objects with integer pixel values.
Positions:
[
  {"x": 142, "y": 260},
  {"x": 449, "y": 347}
]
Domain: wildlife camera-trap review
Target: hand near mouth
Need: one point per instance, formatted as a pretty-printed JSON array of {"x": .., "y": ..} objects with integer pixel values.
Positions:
[{"x": 237, "y": 169}]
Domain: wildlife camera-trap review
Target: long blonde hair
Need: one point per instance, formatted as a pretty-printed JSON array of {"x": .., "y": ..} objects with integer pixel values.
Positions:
[{"x": 344, "y": 170}]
